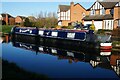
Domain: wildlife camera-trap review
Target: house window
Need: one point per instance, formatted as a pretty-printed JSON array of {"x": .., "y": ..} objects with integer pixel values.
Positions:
[
  {"x": 112, "y": 11},
  {"x": 108, "y": 24},
  {"x": 104, "y": 24},
  {"x": 83, "y": 14},
  {"x": 119, "y": 4},
  {"x": 102, "y": 11},
  {"x": 93, "y": 12}
]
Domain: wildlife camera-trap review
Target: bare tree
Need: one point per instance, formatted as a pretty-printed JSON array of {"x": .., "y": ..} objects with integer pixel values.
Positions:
[{"x": 46, "y": 19}]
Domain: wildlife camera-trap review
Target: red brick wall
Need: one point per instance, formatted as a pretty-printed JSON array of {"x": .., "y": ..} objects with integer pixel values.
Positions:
[
  {"x": 18, "y": 20},
  {"x": 6, "y": 20},
  {"x": 76, "y": 13},
  {"x": 11, "y": 21},
  {"x": 116, "y": 16}
]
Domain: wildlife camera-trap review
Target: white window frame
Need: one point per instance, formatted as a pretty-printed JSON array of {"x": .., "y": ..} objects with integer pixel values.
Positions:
[
  {"x": 93, "y": 12},
  {"x": 103, "y": 11}
]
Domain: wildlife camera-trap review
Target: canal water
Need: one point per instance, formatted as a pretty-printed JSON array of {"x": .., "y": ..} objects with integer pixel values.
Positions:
[{"x": 61, "y": 63}]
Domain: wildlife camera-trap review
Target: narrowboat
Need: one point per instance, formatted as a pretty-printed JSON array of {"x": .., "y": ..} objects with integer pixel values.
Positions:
[{"x": 86, "y": 37}]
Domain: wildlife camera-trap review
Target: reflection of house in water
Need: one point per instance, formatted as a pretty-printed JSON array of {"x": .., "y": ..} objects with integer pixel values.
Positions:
[
  {"x": 115, "y": 62},
  {"x": 94, "y": 63},
  {"x": 101, "y": 61},
  {"x": 5, "y": 39}
]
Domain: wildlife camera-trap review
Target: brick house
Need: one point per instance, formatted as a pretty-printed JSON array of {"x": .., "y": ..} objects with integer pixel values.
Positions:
[
  {"x": 7, "y": 19},
  {"x": 104, "y": 15},
  {"x": 68, "y": 14},
  {"x": 19, "y": 20}
]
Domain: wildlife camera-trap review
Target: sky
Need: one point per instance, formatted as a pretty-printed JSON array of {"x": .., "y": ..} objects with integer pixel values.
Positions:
[{"x": 33, "y": 8}]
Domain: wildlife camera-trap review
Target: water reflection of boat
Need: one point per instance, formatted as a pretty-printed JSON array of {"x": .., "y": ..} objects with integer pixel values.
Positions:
[
  {"x": 68, "y": 45},
  {"x": 96, "y": 60},
  {"x": 72, "y": 56}
]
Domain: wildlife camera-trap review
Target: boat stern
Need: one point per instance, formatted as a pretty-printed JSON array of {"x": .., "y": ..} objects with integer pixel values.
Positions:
[{"x": 106, "y": 46}]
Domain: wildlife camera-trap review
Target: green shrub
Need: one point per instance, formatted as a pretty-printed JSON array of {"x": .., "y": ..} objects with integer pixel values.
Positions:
[
  {"x": 6, "y": 28},
  {"x": 70, "y": 27},
  {"x": 103, "y": 31},
  {"x": 67, "y": 27},
  {"x": 64, "y": 27},
  {"x": 114, "y": 43}
]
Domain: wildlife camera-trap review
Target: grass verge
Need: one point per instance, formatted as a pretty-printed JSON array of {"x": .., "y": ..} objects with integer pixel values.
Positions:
[{"x": 6, "y": 28}]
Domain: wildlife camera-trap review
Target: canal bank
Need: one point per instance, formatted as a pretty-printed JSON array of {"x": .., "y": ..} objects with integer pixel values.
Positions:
[{"x": 10, "y": 71}]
